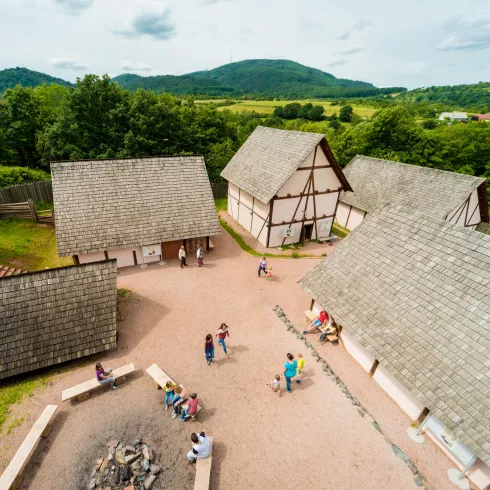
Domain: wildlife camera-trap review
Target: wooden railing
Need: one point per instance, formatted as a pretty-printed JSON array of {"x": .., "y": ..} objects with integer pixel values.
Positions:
[{"x": 26, "y": 210}]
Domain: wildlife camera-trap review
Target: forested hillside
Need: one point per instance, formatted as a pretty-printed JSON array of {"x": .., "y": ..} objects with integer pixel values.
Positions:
[
  {"x": 265, "y": 78},
  {"x": 11, "y": 77},
  {"x": 99, "y": 119}
]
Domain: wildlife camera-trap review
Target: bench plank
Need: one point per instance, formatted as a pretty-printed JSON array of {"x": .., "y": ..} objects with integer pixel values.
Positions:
[
  {"x": 93, "y": 383},
  {"x": 203, "y": 470},
  {"x": 310, "y": 315},
  {"x": 15, "y": 467}
]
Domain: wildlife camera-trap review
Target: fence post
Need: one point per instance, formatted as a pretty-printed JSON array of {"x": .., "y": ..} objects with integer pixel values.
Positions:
[{"x": 32, "y": 209}]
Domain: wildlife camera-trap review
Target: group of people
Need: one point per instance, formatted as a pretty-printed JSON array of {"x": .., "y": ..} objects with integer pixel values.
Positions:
[
  {"x": 222, "y": 333},
  {"x": 323, "y": 322},
  {"x": 175, "y": 397},
  {"x": 199, "y": 255},
  {"x": 292, "y": 369}
]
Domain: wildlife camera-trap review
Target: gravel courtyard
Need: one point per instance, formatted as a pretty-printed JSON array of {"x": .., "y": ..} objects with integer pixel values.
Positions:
[{"x": 313, "y": 438}]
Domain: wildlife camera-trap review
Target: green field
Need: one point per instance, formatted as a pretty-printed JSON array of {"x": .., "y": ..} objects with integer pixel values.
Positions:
[
  {"x": 267, "y": 106},
  {"x": 29, "y": 246}
]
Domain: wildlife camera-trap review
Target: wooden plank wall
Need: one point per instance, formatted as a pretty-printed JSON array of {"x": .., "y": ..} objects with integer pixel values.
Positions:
[
  {"x": 37, "y": 191},
  {"x": 26, "y": 210},
  {"x": 219, "y": 189}
]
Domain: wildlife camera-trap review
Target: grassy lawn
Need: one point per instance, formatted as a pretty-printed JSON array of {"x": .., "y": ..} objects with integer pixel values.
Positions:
[
  {"x": 221, "y": 203},
  {"x": 29, "y": 246}
]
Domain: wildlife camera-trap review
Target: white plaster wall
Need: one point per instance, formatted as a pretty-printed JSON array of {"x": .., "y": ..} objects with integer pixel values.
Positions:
[
  {"x": 276, "y": 237},
  {"x": 93, "y": 257},
  {"x": 458, "y": 218},
  {"x": 355, "y": 219},
  {"x": 357, "y": 351},
  {"x": 245, "y": 206},
  {"x": 295, "y": 184},
  {"x": 342, "y": 213},
  {"x": 261, "y": 209},
  {"x": 233, "y": 190},
  {"x": 124, "y": 256},
  {"x": 479, "y": 474},
  {"x": 309, "y": 160},
  {"x": 407, "y": 402},
  {"x": 233, "y": 207},
  {"x": 139, "y": 255},
  {"x": 259, "y": 227}
]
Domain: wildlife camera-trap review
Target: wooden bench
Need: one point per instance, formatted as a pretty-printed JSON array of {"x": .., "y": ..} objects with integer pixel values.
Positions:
[
  {"x": 310, "y": 316},
  {"x": 13, "y": 475},
  {"x": 160, "y": 379},
  {"x": 329, "y": 239},
  {"x": 82, "y": 391},
  {"x": 203, "y": 470}
]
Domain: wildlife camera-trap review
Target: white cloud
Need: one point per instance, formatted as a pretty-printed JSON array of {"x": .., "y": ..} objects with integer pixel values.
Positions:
[
  {"x": 354, "y": 50},
  {"x": 74, "y": 7},
  {"x": 467, "y": 34},
  {"x": 152, "y": 23},
  {"x": 339, "y": 62},
  {"x": 142, "y": 66},
  {"x": 69, "y": 63}
]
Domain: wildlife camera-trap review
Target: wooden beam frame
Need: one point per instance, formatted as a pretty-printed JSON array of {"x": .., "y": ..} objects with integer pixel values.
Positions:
[
  {"x": 313, "y": 189},
  {"x": 76, "y": 259},
  {"x": 348, "y": 216},
  {"x": 328, "y": 191},
  {"x": 299, "y": 220},
  {"x": 135, "y": 259},
  {"x": 373, "y": 368},
  {"x": 270, "y": 223},
  {"x": 316, "y": 168}
]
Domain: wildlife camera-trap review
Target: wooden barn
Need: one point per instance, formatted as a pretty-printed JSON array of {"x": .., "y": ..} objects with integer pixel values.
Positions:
[
  {"x": 458, "y": 198},
  {"x": 136, "y": 210},
  {"x": 284, "y": 186},
  {"x": 410, "y": 293},
  {"x": 56, "y": 315}
]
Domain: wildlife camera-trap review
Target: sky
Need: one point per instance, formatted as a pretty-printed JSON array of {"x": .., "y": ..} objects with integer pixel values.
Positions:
[{"x": 396, "y": 43}]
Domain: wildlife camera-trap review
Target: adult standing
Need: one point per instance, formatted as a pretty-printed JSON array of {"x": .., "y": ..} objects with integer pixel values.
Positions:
[
  {"x": 201, "y": 447},
  {"x": 262, "y": 266},
  {"x": 222, "y": 334},
  {"x": 200, "y": 255},
  {"x": 182, "y": 257},
  {"x": 290, "y": 369}
]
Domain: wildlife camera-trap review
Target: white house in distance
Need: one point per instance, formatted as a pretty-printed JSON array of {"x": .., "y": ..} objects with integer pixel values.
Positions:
[
  {"x": 458, "y": 198},
  {"x": 453, "y": 116},
  {"x": 136, "y": 210},
  {"x": 410, "y": 293},
  {"x": 284, "y": 186}
]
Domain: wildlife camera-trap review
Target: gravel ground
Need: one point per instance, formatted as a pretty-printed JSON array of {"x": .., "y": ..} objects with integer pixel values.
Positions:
[{"x": 311, "y": 438}]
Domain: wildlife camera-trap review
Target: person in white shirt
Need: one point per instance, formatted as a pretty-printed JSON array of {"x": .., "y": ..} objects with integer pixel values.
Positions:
[
  {"x": 201, "y": 447},
  {"x": 182, "y": 256}
]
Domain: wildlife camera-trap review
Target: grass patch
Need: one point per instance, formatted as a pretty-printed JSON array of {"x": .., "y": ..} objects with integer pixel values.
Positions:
[
  {"x": 123, "y": 293},
  {"x": 42, "y": 206},
  {"x": 12, "y": 393},
  {"x": 246, "y": 248},
  {"x": 340, "y": 230},
  {"x": 221, "y": 203},
  {"x": 29, "y": 246}
]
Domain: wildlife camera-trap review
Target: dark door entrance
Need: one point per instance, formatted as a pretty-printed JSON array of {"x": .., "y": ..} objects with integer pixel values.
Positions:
[{"x": 306, "y": 232}]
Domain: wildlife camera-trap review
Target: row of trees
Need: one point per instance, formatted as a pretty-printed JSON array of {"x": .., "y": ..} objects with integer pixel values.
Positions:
[
  {"x": 98, "y": 119},
  {"x": 295, "y": 110}
]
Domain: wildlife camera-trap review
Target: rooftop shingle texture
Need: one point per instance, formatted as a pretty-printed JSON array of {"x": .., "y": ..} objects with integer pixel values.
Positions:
[
  {"x": 113, "y": 204},
  {"x": 267, "y": 159},
  {"x": 415, "y": 292},
  {"x": 56, "y": 315},
  {"x": 436, "y": 192}
]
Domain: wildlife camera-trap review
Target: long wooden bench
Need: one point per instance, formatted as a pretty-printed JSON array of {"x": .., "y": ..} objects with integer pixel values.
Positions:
[
  {"x": 13, "y": 475},
  {"x": 203, "y": 470},
  {"x": 160, "y": 379},
  {"x": 310, "y": 316},
  {"x": 82, "y": 391}
]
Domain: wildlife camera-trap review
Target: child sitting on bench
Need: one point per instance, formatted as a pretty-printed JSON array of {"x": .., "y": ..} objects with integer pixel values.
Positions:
[{"x": 104, "y": 377}]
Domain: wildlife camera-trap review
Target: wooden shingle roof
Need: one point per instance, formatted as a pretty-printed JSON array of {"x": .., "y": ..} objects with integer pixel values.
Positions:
[
  {"x": 436, "y": 192},
  {"x": 270, "y": 156},
  {"x": 56, "y": 315},
  {"x": 415, "y": 292},
  {"x": 112, "y": 204}
]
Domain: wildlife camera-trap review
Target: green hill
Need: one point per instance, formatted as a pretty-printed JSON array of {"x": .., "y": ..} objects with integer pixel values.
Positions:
[
  {"x": 10, "y": 77},
  {"x": 267, "y": 78},
  {"x": 473, "y": 97}
]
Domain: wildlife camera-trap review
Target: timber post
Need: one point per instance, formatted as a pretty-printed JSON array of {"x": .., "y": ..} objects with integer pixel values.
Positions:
[{"x": 32, "y": 209}]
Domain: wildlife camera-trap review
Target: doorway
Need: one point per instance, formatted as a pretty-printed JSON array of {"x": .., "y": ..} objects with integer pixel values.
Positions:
[{"x": 306, "y": 232}]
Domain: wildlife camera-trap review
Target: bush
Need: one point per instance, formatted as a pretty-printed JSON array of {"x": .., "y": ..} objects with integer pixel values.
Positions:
[
  {"x": 345, "y": 114},
  {"x": 20, "y": 175}
]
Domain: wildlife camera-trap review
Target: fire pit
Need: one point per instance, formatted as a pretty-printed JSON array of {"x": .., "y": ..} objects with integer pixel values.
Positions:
[{"x": 131, "y": 467}]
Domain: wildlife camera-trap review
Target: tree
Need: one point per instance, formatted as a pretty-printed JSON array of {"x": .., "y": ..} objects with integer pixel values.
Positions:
[
  {"x": 316, "y": 113},
  {"x": 334, "y": 124},
  {"x": 429, "y": 124},
  {"x": 345, "y": 114}
]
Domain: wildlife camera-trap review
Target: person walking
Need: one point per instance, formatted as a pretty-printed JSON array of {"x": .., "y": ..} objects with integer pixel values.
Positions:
[
  {"x": 105, "y": 377},
  {"x": 262, "y": 266},
  {"x": 201, "y": 447},
  {"x": 209, "y": 348},
  {"x": 182, "y": 257},
  {"x": 290, "y": 367},
  {"x": 222, "y": 334},
  {"x": 200, "y": 256}
]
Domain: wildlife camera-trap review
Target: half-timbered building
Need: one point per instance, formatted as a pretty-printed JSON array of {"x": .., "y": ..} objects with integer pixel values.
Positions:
[
  {"x": 284, "y": 186},
  {"x": 458, "y": 198}
]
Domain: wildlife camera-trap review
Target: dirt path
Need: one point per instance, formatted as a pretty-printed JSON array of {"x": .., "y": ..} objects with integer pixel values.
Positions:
[{"x": 312, "y": 438}]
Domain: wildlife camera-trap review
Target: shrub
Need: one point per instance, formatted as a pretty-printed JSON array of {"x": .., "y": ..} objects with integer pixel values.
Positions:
[{"x": 20, "y": 175}]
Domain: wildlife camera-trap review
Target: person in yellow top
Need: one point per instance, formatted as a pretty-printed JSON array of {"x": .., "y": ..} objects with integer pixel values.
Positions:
[
  {"x": 169, "y": 393},
  {"x": 300, "y": 367}
]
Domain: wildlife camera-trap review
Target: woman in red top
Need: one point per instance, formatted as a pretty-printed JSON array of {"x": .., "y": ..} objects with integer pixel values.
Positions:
[
  {"x": 222, "y": 334},
  {"x": 317, "y": 322},
  {"x": 191, "y": 409}
]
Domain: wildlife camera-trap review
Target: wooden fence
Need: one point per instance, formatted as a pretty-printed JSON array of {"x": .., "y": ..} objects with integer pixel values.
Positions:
[
  {"x": 37, "y": 191},
  {"x": 43, "y": 192},
  {"x": 26, "y": 210}
]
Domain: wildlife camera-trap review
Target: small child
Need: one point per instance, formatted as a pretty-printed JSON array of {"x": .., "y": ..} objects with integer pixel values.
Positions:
[
  {"x": 169, "y": 393},
  {"x": 275, "y": 384},
  {"x": 268, "y": 273},
  {"x": 209, "y": 348},
  {"x": 299, "y": 369}
]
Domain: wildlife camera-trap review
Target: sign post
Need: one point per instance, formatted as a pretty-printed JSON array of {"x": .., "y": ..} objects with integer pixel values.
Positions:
[{"x": 150, "y": 251}]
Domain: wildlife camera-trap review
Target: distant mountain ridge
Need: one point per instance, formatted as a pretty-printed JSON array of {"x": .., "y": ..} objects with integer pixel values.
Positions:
[
  {"x": 10, "y": 77},
  {"x": 268, "y": 78}
]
